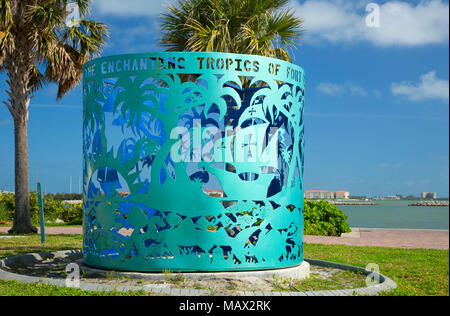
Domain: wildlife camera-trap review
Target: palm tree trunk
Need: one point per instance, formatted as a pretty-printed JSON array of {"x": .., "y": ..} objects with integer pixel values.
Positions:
[
  {"x": 19, "y": 100},
  {"x": 22, "y": 216},
  {"x": 19, "y": 66}
]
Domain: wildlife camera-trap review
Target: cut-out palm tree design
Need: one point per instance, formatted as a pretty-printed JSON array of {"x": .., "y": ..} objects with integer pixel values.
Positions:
[
  {"x": 287, "y": 101},
  {"x": 137, "y": 97},
  {"x": 185, "y": 97},
  {"x": 93, "y": 115}
]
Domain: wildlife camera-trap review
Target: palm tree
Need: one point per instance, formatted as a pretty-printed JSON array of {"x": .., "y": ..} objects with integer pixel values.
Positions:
[
  {"x": 37, "y": 48},
  {"x": 257, "y": 27}
]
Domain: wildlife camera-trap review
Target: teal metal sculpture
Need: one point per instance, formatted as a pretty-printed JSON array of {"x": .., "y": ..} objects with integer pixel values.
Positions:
[{"x": 193, "y": 162}]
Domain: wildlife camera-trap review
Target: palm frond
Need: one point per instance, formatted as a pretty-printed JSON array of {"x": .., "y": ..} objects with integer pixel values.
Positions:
[
  {"x": 36, "y": 79},
  {"x": 6, "y": 18},
  {"x": 61, "y": 49},
  {"x": 259, "y": 27}
]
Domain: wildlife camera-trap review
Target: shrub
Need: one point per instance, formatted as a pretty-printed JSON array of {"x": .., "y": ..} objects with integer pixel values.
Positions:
[
  {"x": 6, "y": 206},
  {"x": 52, "y": 209},
  {"x": 5, "y": 215},
  {"x": 324, "y": 219},
  {"x": 64, "y": 196}
]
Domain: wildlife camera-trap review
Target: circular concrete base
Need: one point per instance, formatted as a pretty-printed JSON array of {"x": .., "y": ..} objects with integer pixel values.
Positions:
[
  {"x": 299, "y": 272},
  {"x": 55, "y": 262}
]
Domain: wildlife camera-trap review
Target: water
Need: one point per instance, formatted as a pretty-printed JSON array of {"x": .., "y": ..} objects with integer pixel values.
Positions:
[{"x": 396, "y": 214}]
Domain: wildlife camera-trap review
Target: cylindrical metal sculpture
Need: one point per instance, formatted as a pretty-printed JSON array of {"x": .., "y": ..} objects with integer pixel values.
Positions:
[{"x": 193, "y": 162}]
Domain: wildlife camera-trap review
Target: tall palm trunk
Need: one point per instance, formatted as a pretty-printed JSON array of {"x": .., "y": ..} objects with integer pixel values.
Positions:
[
  {"x": 19, "y": 66},
  {"x": 22, "y": 218}
]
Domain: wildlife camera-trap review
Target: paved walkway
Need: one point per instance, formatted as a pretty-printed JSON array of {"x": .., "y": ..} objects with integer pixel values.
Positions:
[
  {"x": 53, "y": 230},
  {"x": 394, "y": 238}
]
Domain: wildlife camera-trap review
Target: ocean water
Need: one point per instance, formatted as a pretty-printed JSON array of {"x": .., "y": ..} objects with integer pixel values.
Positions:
[{"x": 396, "y": 214}]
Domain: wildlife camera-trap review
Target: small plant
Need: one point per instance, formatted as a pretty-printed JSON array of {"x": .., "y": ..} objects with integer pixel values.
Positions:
[
  {"x": 111, "y": 275},
  {"x": 178, "y": 279},
  {"x": 276, "y": 278},
  {"x": 198, "y": 286},
  {"x": 232, "y": 286},
  {"x": 324, "y": 219},
  {"x": 168, "y": 275}
]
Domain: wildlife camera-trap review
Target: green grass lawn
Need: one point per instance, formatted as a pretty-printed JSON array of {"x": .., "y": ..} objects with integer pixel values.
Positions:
[
  {"x": 420, "y": 272},
  {"x": 32, "y": 244},
  {"x": 416, "y": 271}
]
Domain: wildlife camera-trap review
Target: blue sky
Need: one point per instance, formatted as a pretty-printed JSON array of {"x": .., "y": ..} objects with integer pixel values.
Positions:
[{"x": 377, "y": 109}]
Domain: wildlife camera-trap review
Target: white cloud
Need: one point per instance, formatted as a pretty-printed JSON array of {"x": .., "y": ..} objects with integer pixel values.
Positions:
[
  {"x": 430, "y": 87},
  {"x": 330, "y": 20},
  {"x": 329, "y": 88},
  {"x": 357, "y": 91},
  {"x": 378, "y": 94},
  {"x": 402, "y": 23},
  {"x": 359, "y": 116},
  {"x": 124, "y": 8},
  {"x": 135, "y": 39}
]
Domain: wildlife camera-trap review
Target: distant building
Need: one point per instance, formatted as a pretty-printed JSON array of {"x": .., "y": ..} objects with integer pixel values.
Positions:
[
  {"x": 326, "y": 195},
  {"x": 215, "y": 193},
  {"x": 393, "y": 197},
  {"x": 429, "y": 195},
  {"x": 319, "y": 195},
  {"x": 341, "y": 195}
]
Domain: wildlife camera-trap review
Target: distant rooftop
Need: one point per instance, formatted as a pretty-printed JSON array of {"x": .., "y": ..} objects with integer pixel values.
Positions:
[{"x": 325, "y": 191}]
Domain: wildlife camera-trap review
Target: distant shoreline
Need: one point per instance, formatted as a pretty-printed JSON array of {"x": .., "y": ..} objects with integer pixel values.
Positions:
[
  {"x": 353, "y": 203},
  {"x": 377, "y": 202},
  {"x": 431, "y": 204}
]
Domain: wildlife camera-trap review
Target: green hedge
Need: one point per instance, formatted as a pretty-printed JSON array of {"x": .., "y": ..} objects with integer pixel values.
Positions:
[
  {"x": 324, "y": 219},
  {"x": 53, "y": 209},
  {"x": 65, "y": 196}
]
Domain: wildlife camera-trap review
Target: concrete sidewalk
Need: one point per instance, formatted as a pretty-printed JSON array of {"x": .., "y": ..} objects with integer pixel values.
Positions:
[
  {"x": 393, "y": 238},
  {"x": 53, "y": 230},
  {"x": 378, "y": 237}
]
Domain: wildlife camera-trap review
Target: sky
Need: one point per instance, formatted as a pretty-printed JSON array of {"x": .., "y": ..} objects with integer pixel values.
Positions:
[{"x": 377, "y": 104}]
